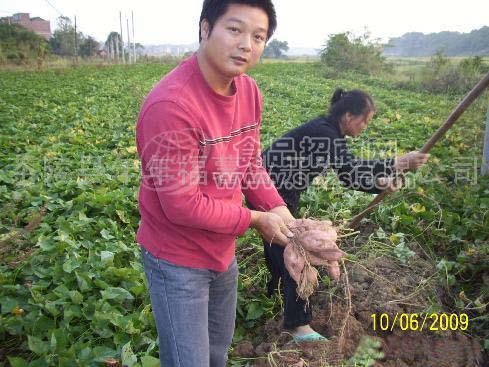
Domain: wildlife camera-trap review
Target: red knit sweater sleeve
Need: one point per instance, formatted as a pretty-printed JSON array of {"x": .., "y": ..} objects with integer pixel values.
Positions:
[{"x": 168, "y": 145}]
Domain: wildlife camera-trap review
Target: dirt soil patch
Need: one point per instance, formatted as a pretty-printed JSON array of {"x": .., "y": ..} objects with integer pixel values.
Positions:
[{"x": 377, "y": 285}]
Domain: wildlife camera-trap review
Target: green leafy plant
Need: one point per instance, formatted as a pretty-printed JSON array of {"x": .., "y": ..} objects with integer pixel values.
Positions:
[{"x": 367, "y": 353}]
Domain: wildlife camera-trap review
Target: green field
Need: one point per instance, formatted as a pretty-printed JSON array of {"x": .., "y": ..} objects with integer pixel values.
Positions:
[{"x": 72, "y": 287}]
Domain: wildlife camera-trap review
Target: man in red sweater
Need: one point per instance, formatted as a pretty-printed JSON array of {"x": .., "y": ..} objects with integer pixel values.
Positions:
[{"x": 198, "y": 140}]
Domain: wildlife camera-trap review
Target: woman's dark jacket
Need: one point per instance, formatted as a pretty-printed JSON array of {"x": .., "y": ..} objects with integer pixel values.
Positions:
[{"x": 309, "y": 150}]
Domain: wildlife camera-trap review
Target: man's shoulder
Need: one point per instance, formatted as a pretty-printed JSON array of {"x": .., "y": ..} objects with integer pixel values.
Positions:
[
  {"x": 247, "y": 81},
  {"x": 248, "y": 90},
  {"x": 173, "y": 86}
]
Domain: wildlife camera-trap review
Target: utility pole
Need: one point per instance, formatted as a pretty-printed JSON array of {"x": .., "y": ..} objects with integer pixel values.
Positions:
[
  {"x": 122, "y": 40},
  {"x": 118, "y": 55},
  {"x": 76, "y": 45},
  {"x": 128, "y": 41},
  {"x": 114, "y": 49},
  {"x": 133, "y": 39},
  {"x": 485, "y": 156}
]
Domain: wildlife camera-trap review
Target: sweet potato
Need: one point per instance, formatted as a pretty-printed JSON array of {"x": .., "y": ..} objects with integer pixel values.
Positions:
[
  {"x": 314, "y": 243},
  {"x": 316, "y": 240},
  {"x": 302, "y": 225},
  {"x": 334, "y": 270},
  {"x": 294, "y": 262}
]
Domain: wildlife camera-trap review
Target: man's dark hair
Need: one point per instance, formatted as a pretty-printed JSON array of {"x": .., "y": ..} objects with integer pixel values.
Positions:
[
  {"x": 213, "y": 9},
  {"x": 355, "y": 101}
]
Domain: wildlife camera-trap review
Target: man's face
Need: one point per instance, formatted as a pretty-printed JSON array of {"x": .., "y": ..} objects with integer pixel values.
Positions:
[{"x": 237, "y": 40}]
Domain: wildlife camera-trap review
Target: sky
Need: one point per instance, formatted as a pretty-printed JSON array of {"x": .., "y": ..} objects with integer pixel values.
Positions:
[{"x": 304, "y": 23}]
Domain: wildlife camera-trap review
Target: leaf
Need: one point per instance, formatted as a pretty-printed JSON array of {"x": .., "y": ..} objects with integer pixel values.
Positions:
[
  {"x": 53, "y": 343},
  {"x": 51, "y": 307},
  {"x": 62, "y": 291},
  {"x": 37, "y": 346},
  {"x": 43, "y": 324},
  {"x": 18, "y": 362},
  {"x": 255, "y": 310},
  {"x": 40, "y": 362},
  {"x": 122, "y": 216},
  {"x": 8, "y": 304},
  {"x": 101, "y": 284},
  {"x": 116, "y": 293},
  {"x": 128, "y": 357},
  {"x": 46, "y": 244},
  {"x": 102, "y": 328},
  {"x": 105, "y": 234},
  {"x": 71, "y": 311},
  {"x": 148, "y": 361},
  {"x": 418, "y": 208},
  {"x": 102, "y": 353},
  {"x": 380, "y": 233},
  {"x": 130, "y": 329},
  {"x": 82, "y": 217},
  {"x": 107, "y": 257},
  {"x": 70, "y": 265},
  {"x": 76, "y": 297},
  {"x": 403, "y": 253},
  {"x": 445, "y": 265},
  {"x": 83, "y": 281}
]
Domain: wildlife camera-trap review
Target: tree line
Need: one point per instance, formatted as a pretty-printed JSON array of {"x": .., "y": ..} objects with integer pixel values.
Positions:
[
  {"x": 475, "y": 43},
  {"x": 19, "y": 45}
]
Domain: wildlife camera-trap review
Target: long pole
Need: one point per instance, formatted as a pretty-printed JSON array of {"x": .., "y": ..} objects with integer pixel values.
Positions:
[
  {"x": 117, "y": 54},
  {"x": 133, "y": 39},
  {"x": 76, "y": 45},
  {"x": 462, "y": 106},
  {"x": 485, "y": 156},
  {"x": 122, "y": 40},
  {"x": 114, "y": 50},
  {"x": 128, "y": 42}
]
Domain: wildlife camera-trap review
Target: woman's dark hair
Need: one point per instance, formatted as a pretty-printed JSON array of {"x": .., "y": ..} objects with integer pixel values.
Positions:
[
  {"x": 213, "y": 9},
  {"x": 355, "y": 101}
]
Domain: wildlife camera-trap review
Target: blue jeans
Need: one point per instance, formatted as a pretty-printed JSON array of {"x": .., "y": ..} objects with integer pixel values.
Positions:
[{"x": 194, "y": 310}]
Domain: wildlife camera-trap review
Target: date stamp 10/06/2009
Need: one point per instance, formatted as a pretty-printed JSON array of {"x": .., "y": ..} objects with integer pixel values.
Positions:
[{"x": 420, "y": 321}]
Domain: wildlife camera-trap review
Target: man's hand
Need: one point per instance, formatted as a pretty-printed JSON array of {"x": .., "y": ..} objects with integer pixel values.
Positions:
[
  {"x": 271, "y": 227},
  {"x": 284, "y": 213},
  {"x": 410, "y": 161}
]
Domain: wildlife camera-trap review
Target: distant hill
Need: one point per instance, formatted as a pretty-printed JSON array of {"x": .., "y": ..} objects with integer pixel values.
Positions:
[{"x": 452, "y": 43}]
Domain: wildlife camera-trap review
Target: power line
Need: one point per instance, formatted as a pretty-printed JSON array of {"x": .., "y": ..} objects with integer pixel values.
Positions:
[{"x": 52, "y": 6}]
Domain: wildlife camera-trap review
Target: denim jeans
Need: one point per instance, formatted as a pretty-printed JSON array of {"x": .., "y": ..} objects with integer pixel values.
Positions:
[{"x": 194, "y": 310}]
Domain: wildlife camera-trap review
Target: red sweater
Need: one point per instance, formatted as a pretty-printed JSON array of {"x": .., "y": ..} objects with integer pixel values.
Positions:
[{"x": 200, "y": 151}]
